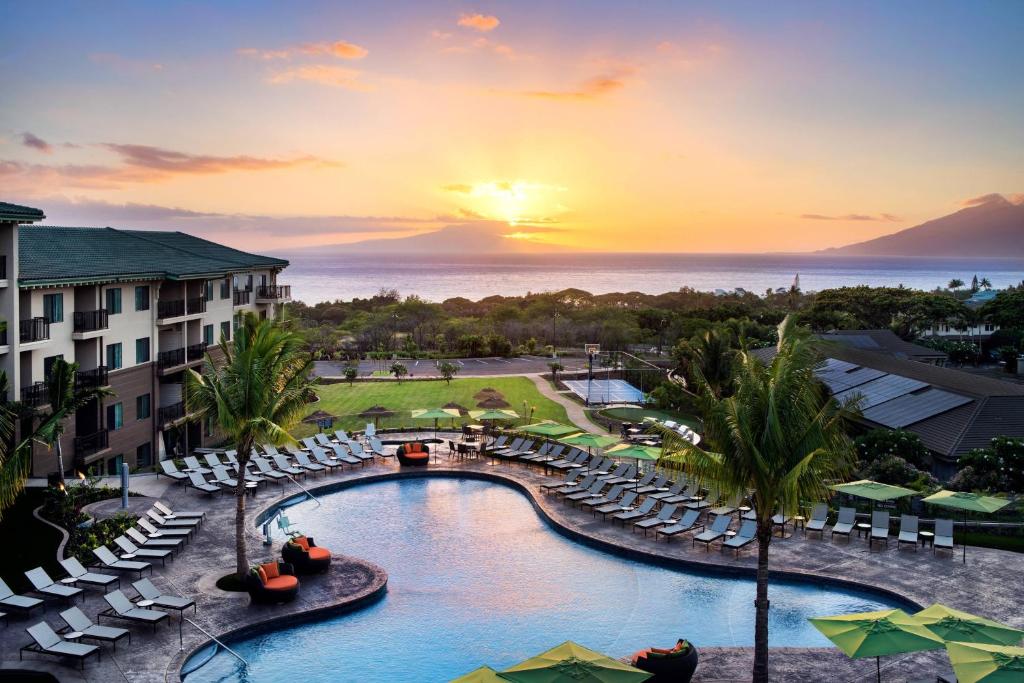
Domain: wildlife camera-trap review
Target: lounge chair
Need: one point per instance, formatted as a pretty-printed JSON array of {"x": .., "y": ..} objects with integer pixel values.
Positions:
[
  {"x": 593, "y": 492},
  {"x": 370, "y": 430},
  {"x": 283, "y": 465},
  {"x": 341, "y": 435},
  {"x": 168, "y": 513},
  {"x": 687, "y": 523},
  {"x": 357, "y": 451},
  {"x": 171, "y": 523},
  {"x": 79, "y": 623},
  {"x": 674, "y": 490},
  {"x": 307, "y": 464},
  {"x": 525, "y": 448},
  {"x": 265, "y": 470},
  {"x": 818, "y": 520},
  {"x": 630, "y": 515},
  {"x": 111, "y": 561},
  {"x": 212, "y": 460},
  {"x": 706, "y": 502},
  {"x": 272, "y": 583},
  {"x": 141, "y": 540},
  {"x": 322, "y": 439},
  {"x": 572, "y": 461},
  {"x": 221, "y": 477},
  {"x": 943, "y": 535},
  {"x": 664, "y": 518},
  {"x": 908, "y": 531},
  {"x": 169, "y": 532},
  {"x": 199, "y": 483},
  {"x": 613, "y": 495},
  {"x": 307, "y": 441},
  {"x": 44, "y": 585},
  {"x": 377, "y": 448},
  {"x": 728, "y": 508},
  {"x": 541, "y": 452},
  {"x": 622, "y": 505},
  {"x": 879, "y": 527},
  {"x": 192, "y": 463},
  {"x": 80, "y": 574},
  {"x": 717, "y": 531},
  {"x": 10, "y": 599},
  {"x": 653, "y": 486},
  {"x": 743, "y": 537},
  {"x": 305, "y": 556},
  {"x": 780, "y": 519},
  {"x": 583, "y": 485},
  {"x": 170, "y": 470},
  {"x": 689, "y": 495},
  {"x": 569, "y": 480},
  {"x": 626, "y": 477},
  {"x": 147, "y": 591},
  {"x": 122, "y": 608},
  {"x": 321, "y": 457},
  {"x": 133, "y": 551},
  {"x": 47, "y": 642},
  {"x": 232, "y": 458},
  {"x": 845, "y": 522},
  {"x": 618, "y": 473},
  {"x": 341, "y": 453}
]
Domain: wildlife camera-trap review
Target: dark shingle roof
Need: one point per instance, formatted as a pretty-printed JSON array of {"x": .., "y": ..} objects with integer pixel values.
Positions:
[
  {"x": 17, "y": 213},
  {"x": 882, "y": 341},
  {"x": 53, "y": 255}
]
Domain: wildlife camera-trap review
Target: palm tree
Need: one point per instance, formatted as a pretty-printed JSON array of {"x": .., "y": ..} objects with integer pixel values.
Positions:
[
  {"x": 254, "y": 395},
  {"x": 66, "y": 397},
  {"x": 778, "y": 435},
  {"x": 708, "y": 360},
  {"x": 955, "y": 284},
  {"x": 14, "y": 455}
]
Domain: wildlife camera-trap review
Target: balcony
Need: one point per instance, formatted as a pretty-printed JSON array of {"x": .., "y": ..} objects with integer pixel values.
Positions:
[
  {"x": 170, "y": 309},
  {"x": 92, "y": 379},
  {"x": 196, "y": 305},
  {"x": 171, "y": 413},
  {"x": 241, "y": 297},
  {"x": 170, "y": 359},
  {"x": 4, "y": 346},
  {"x": 90, "y": 444},
  {"x": 196, "y": 351},
  {"x": 35, "y": 395},
  {"x": 89, "y": 324},
  {"x": 3, "y": 270},
  {"x": 273, "y": 293},
  {"x": 33, "y": 330}
]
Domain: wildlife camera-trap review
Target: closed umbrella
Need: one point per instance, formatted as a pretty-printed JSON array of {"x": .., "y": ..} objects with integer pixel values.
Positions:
[
  {"x": 573, "y": 663},
  {"x": 979, "y": 663},
  {"x": 962, "y": 500},
  {"x": 952, "y": 624},
  {"x": 877, "y": 634}
]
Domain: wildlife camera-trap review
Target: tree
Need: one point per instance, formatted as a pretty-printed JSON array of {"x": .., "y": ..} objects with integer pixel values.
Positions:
[
  {"x": 254, "y": 395},
  {"x": 351, "y": 372},
  {"x": 556, "y": 368},
  {"x": 448, "y": 370},
  {"x": 780, "y": 436},
  {"x": 399, "y": 370},
  {"x": 15, "y": 456},
  {"x": 975, "y": 285},
  {"x": 985, "y": 283},
  {"x": 955, "y": 284},
  {"x": 708, "y": 359},
  {"x": 65, "y": 396}
]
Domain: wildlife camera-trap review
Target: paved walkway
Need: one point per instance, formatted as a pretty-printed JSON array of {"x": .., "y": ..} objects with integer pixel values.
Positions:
[{"x": 577, "y": 415}]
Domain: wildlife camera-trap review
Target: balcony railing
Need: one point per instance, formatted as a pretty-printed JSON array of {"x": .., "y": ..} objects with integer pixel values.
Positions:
[
  {"x": 241, "y": 297},
  {"x": 170, "y": 309},
  {"x": 89, "y": 379},
  {"x": 91, "y": 321},
  {"x": 91, "y": 443},
  {"x": 3, "y": 267},
  {"x": 275, "y": 292},
  {"x": 34, "y": 329},
  {"x": 197, "y": 305},
  {"x": 170, "y": 413},
  {"x": 169, "y": 359},
  {"x": 3, "y": 337},
  {"x": 196, "y": 351},
  {"x": 35, "y": 395}
]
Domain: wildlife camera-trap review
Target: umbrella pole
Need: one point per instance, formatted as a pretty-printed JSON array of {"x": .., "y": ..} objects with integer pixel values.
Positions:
[
  {"x": 964, "y": 539},
  {"x": 878, "y": 668}
]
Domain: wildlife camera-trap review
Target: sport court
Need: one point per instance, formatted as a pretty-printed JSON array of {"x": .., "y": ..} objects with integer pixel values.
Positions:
[{"x": 605, "y": 390}]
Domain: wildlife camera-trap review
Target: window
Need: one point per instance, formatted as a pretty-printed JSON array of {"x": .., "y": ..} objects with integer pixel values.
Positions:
[
  {"x": 234, "y": 282},
  {"x": 114, "y": 465},
  {"x": 208, "y": 334},
  {"x": 114, "y": 356},
  {"x": 115, "y": 416},
  {"x": 142, "y": 350},
  {"x": 144, "y": 455},
  {"x": 53, "y": 308},
  {"x": 142, "y": 407},
  {"x": 208, "y": 290},
  {"x": 248, "y": 282},
  {"x": 48, "y": 365},
  {"x": 225, "y": 288},
  {"x": 225, "y": 330},
  {"x": 142, "y": 298},
  {"x": 114, "y": 301},
  {"x": 263, "y": 280}
]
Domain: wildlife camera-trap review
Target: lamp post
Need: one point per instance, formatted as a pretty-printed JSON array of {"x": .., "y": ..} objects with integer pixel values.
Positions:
[{"x": 554, "y": 331}]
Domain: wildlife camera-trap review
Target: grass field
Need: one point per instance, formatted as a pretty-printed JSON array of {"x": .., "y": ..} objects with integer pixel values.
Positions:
[
  {"x": 346, "y": 402},
  {"x": 638, "y": 414}
]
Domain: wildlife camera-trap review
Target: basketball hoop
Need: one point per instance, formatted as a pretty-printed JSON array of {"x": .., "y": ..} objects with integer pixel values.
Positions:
[{"x": 592, "y": 349}]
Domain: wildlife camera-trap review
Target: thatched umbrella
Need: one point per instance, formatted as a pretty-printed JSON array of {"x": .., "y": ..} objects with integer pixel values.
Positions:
[
  {"x": 376, "y": 413},
  {"x": 487, "y": 392},
  {"x": 318, "y": 415},
  {"x": 493, "y": 402},
  {"x": 455, "y": 406}
]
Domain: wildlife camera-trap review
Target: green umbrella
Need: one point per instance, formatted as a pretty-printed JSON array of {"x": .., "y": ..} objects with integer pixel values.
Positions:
[
  {"x": 434, "y": 414},
  {"x": 550, "y": 428},
  {"x": 634, "y": 452},
  {"x": 961, "y": 500},
  {"x": 978, "y": 663},
  {"x": 484, "y": 674},
  {"x": 590, "y": 440},
  {"x": 877, "y": 634},
  {"x": 873, "y": 490},
  {"x": 572, "y": 663},
  {"x": 494, "y": 414},
  {"x": 951, "y": 624}
]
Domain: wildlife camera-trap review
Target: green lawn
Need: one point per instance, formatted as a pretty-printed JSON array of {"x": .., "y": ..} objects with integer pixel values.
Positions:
[
  {"x": 346, "y": 402},
  {"x": 638, "y": 414}
]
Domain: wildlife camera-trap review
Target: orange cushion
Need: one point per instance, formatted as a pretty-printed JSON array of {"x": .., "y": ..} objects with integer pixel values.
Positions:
[
  {"x": 271, "y": 569},
  {"x": 413, "y": 448},
  {"x": 316, "y": 553},
  {"x": 301, "y": 541},
  {"x": 262, "y": 574},
  {"x": 282, "y": 583}
]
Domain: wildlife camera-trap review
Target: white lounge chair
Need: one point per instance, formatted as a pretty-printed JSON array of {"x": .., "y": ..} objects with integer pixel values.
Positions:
[
  {"x": 717, "y": 531},
  {"x": 122, "y": 608},
  {"x": 908, "y": 531},
  {"x": 198, "y": 482},
  {"x": 79, "y": 623},
  {"x": 845, "y": 522},
  {"x": 943, "y": 535},
  {"x": 265, "y": 470},
  {"x": 111, "y": 561},
  {"x": 132, "y": 551},
  {"x": 879, "y": 527},
  {"x": 746, "y": 534},
  {"x": 818, "y": 520},
  {"x": 47, "y": 642},
  {"x": 44, "y": 585},
  {"x": 169, "y": 532},
  {"x": 147, "y": 591},
  {"x": 169, "y": 470},
  {"x": 307, "y": 464},
  {"x": 321, "y": 457},
  {"x": 686, "y": 524},
  {"x": 664, "y": 518},
  {"x": 343, "y": 455},
  {"x": 80, "y": 574},
  {"x": 10, "y": 599},
  {"x": 142, "y": 540},
  {"x": 192, "y": 462}
]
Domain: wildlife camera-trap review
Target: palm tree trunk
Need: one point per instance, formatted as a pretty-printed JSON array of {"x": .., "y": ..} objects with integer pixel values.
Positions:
[
  {"x": 241, "y": 550},
  {"x": 764, "y": 538},
  {"x": 60, "y": 460}
]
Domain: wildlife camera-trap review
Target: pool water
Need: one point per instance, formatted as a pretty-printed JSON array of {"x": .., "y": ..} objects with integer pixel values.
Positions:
[{"x": 476, "y": 577}]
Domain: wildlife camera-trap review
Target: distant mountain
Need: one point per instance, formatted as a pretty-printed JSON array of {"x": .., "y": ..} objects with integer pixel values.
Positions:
[
  {"x": 474, "y": 238},
  {"x": 992, "y": 226}
]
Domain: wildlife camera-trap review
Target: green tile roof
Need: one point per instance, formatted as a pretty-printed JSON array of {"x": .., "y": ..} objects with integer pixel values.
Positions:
[
  {"x": 63, "y": 255},
  {"x": 19, "y": 213}
]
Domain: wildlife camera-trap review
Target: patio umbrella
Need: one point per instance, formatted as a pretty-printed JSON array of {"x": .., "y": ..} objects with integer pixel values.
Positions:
[
  {"x": 873, "y": 490},
  {"x": 573, "y": 663},
  {"x": 434, "y": 414},
  {"x": 494, "y": 414},
  {"x": 978, "y": 663},
  {"x": 487, "y": 392},
  {"x": 550, "y": 428},
  {"x": 590, "y": 440},
  {"x": 951, "y": 624},
  {"x": 634, "y": 452},
  {"x": 961, "y": 500},
  {"x": 493, "y": 402},
  {"x": 877, "y": 634},
  {"x": 484, "y": 674},
  {"x": 317, "y": 416}
]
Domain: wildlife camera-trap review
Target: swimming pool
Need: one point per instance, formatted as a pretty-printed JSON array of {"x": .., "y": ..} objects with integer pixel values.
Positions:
[{"x": 475, "y": 576}]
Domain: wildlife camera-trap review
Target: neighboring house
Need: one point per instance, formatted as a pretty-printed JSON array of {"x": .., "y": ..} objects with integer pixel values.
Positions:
[
  {"x": 134, "y": 309},
  {"x": 888, "y": 342},
  {"x": 952, "y": 411},
  {"x": 978, "y": 332}
]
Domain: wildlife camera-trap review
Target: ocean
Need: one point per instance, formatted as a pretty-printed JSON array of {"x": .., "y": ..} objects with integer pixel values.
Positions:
[{"x": 315, "y": 277}]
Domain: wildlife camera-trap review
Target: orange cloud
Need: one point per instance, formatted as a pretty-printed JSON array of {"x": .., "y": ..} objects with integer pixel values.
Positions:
[
  {"x": 342, "y": 49},
  {"x": 590, "y": 89},
  {"x": 994, "y": 198},
  {"x": 325, "y": 74},
  {"x": 479, "y": 22},
  {"x": 887, "y": 217},
  {"x": 462, "y": 188}
]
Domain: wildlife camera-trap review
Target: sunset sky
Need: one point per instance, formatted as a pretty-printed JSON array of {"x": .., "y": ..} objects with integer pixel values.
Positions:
[{"x": 653, "y": 126}]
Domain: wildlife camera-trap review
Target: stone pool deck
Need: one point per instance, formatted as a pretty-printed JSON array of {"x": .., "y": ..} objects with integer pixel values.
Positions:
[{"x": 989, "y": 584}]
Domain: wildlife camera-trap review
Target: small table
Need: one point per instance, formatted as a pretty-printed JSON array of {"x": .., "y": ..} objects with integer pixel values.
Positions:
[
  {"x": 128, "y": 556},
  {"x": 251, "y": 486},
  {"x": 730, "y": 533},
  {"x": 799, "y": 522},
  {"x": 744, "y": 508},
  {"x": 863, "y": 528},
  {"x": 927, "y": 538},
  {"x": 145, "y": 603},
  {"x": 73, "y": 635},
  {"x": 663, "y": 489},
  {"x": 68, "y": 580}
]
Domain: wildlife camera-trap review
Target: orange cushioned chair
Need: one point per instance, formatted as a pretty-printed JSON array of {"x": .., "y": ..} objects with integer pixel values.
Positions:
[
  {"x": 414, "y": 454},
  {"x": 272, "y": 582},
  {"x": 307, "y": 558}
]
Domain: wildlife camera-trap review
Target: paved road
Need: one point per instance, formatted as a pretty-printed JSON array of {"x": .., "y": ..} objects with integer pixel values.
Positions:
[{"x": 468, "y": 367}]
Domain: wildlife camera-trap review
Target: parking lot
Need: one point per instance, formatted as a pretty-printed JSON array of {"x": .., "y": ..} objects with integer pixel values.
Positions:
[{"x": 522, "y": 365}]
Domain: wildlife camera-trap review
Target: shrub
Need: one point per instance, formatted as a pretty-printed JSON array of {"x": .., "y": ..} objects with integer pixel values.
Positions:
[
  {"x": 883, "y": 443},
  {"x": 1000, "y": 467}
]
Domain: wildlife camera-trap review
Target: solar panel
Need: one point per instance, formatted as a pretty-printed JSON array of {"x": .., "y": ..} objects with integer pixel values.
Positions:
[
  {"x": 840, "y": 381},
  {"x": 835, "y": 365},
  {"x": 880, "y": 390},
  {"x": 910, "y": 408}
]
